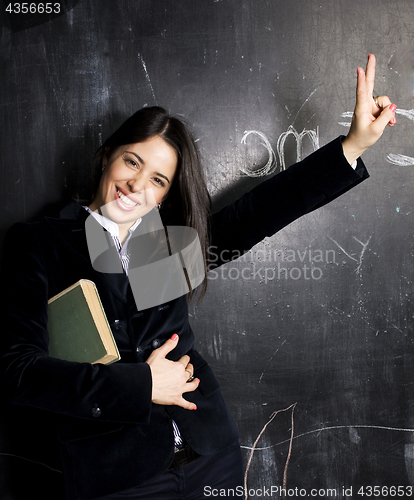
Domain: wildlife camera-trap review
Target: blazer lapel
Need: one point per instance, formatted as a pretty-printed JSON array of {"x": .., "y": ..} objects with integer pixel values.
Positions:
[{"x": 70, "y": 226}]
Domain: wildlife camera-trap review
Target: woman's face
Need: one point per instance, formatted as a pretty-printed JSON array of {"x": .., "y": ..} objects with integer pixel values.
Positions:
[{"x": 136, "y": 178}]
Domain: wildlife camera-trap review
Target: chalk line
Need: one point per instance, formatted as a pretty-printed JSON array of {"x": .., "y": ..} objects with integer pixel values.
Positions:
[
  {"x": 401, "y": 160},
  {"x": 272, "y": 416},
  {"x": 147, "y": 76},
  {"x": 408, "y": 113},
  {"x": 271, "y": 162},
  {"x": 271, "y": 357},
  {"x": 312, "y": 134},
  {"x": 333, "y": 427},
  {"x": 361, "y": 256},
  {"x": 345, "y": 252},
  {"x": 304, "y": 102}
]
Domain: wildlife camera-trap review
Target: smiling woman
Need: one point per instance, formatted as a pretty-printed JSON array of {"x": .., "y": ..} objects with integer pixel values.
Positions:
[
  {"x": 135, "y": 178},
  {"x": 152, "y": 159},
  {"x": 125, "y": 430}
]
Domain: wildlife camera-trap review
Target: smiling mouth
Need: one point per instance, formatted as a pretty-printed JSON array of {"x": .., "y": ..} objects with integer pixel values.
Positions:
[{"x": 125, "y": 200}]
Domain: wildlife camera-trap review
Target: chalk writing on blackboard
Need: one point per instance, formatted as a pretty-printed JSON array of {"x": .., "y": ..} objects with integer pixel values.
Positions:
[
  {"x": 334, "y": 427},
  {"x": 408, "y": 113},
  {"x": 144, "y": 66},
  {"x": 271, "y": 164},
  {"x": 347, "y": 114},
  {"x": 253, "y": 448},
  {"x": 401, "y": 160},
  {"x": 360, "y": 258},
  {"x": 270, "y": 359}
]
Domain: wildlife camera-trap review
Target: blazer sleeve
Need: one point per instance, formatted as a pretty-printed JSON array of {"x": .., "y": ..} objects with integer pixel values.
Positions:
[
  {"x": 118, "y": 392},
  {"x": 303, "y": 187}
]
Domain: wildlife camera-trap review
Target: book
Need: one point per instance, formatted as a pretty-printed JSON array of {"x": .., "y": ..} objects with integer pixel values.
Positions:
[{"x": 78, "y": 327}]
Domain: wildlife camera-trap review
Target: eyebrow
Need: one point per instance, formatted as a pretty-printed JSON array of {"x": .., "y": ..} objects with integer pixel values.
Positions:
[{"x": 143, "y": 163}]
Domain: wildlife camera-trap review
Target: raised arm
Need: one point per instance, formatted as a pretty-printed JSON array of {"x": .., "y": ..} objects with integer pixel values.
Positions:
[{"x": 305, "y": 186}]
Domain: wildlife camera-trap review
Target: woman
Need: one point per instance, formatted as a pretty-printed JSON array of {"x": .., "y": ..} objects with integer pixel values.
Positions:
[{"x": 153, "y": 425}]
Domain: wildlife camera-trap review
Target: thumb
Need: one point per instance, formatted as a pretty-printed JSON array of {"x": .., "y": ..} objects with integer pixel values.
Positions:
[
  {"x": 168, "y": 345},
  {"x": 387, "y": 114}
]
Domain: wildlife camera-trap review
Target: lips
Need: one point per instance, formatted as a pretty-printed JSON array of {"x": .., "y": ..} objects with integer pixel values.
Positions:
[{"x": 125, "y": 201}]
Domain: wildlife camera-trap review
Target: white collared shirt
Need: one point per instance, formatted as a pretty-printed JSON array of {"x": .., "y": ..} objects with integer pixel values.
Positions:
[{"x": 113, "y": 229}]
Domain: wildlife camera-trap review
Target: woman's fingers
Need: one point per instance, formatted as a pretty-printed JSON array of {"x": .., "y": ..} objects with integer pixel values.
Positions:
[
  {"x": 188, "y": 405},
  {"x": 386, "y": 117},
  {"x": 365, "y": 82},
  {"x": 189, "y": 387},
  {"x": 361, "y": 89},
  {"x": 383, "y": 102},
  {"x": 189, "y": 369},
  {"x": 184, "y": 360},
  {"x": 370, "y": 74},
  {"x": 365, "y": 92},
  {"x": 171, "y": 379},
  {"x": 369, "y": 119}
]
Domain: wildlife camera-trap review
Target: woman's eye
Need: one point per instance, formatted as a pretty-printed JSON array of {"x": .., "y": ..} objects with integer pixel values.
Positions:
[
  {"x": 131, "y": 162},
  {"x": 159, "y": 181}
]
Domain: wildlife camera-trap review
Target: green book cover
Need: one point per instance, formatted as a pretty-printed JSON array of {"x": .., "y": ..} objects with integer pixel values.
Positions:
[{"x": 78, "y": 328}]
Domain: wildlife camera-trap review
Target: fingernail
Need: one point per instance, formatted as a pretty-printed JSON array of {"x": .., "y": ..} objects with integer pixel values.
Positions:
[
  {"x": 393, "y": 107},
  {"x": 195, "y": 407},
  {"x": 174, "y": 337}
]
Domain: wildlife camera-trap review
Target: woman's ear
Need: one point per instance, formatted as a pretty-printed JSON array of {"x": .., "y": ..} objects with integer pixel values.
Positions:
[{"x": 105, "y": 157}]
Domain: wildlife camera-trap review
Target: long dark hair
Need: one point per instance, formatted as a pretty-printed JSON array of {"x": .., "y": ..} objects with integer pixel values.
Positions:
[{"x": 188, "y": 202}]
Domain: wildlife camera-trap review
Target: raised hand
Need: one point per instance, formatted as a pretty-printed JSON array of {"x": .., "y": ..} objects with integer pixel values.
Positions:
[
  {"x": 369, "y": 119},
  {"x": 171, "y": 379}
]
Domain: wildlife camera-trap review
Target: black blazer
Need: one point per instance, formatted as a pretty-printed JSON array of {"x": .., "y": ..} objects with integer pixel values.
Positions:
[{"x": 110, "y": 435}]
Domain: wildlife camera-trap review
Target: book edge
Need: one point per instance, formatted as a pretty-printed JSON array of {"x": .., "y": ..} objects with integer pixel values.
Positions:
[{"x": 101, "y": 321}]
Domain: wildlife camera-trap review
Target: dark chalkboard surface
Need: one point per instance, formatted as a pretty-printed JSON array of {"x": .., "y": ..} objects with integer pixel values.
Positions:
[{"x": 317, "y": 320}]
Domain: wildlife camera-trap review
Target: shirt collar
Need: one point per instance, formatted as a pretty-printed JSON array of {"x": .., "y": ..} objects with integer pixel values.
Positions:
[{"x": 108, "y": 224}]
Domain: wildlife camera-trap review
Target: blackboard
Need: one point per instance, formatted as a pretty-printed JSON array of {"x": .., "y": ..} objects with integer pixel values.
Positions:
[{"x": 332, "y": 344}]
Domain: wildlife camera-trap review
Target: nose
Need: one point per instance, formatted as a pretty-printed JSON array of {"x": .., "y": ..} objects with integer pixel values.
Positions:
[
  {"x": 137, "y": 184},
  {"x": 141, "y": 186}
]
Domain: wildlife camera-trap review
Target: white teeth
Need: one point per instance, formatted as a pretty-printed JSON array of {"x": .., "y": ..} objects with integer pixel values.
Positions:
[{"x": 125, "y": 200}]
